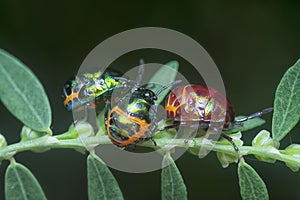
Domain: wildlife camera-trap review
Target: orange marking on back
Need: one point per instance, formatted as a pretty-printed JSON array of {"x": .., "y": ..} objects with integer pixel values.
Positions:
[
  {"x": 131, "y": 139},
  {"x": 70, "y": 97},
  {"x": 171, "y": 107}
]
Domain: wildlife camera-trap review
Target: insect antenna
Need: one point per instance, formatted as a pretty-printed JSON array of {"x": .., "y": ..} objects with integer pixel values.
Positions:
[
  {"x": 140, "y": 73},
  {"x": 254, "y": 115},
  {"x": 167, "y": 86}
]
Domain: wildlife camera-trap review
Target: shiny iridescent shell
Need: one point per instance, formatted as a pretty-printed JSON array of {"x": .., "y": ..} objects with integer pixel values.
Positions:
[
  {"x": 89, "y": 89},
  {"x": 195, "y": 103}
]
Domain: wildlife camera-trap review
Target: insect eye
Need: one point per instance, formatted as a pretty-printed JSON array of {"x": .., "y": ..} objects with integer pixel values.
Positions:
[{"x": 68, "y": 87}]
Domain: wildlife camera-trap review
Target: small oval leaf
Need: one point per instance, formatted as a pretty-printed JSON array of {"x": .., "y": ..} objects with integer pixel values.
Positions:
[
  {"x": 29, "y": 134},
  {"x": 168, "y": 70},
  {"x": 263, "y": 139},
  {"x": 20, "y": 184},
  {"x": 251, "y": 185},
  {"x": 172, "y": 184},
  {"x": 286, "y": 104},
  {"x": 22, "y": 93},
  {"x": 2, "y": 141},
  {"x": 292, "y": 150},
  {"x": 101, "y": 183}
]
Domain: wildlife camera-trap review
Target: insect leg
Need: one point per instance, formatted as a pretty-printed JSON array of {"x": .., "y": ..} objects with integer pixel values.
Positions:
[
  {"x": 229, "y": 139},
  {"x": 175, "y": 125},
  {"x": 151, "y": 138}
]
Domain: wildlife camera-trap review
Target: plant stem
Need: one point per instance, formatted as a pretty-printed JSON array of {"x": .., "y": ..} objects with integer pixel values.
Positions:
[{"x": 88, "y": 143}]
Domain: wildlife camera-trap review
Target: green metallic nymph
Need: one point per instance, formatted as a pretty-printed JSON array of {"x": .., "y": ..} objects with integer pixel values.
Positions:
[{"x": 89, "y": 89}]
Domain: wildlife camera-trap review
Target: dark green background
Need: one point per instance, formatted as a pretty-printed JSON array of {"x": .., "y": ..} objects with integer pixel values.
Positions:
[{"x": 252, "y": 43}]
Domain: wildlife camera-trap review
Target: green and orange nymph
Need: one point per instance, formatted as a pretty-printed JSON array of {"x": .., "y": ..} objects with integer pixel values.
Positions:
[
  {"x": 133, "y": 119},
  {"x": 87, "y": 90}
]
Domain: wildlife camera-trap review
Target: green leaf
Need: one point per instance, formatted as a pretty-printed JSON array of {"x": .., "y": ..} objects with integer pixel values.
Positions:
[
  {"x": 263, "y": 139},
  {"x": 2, "y": 141},
  {"x": 292, "y": 150},
  {"x": 226, "y": 159},
  {"x": 170, "y": 70},
  {"x": 21, "y": 184},
  {"x": 29, "y": 134},
  {"x": 22, "y": 94},
  {"x": 101, "y": 182},
  {"x": 251, "y": 185},
  {"x": 100, "y": 122},
  {"x": 172, "y": 184},
  {"x": 287, "y": 103},
  {"x": 247, "y": 125}
]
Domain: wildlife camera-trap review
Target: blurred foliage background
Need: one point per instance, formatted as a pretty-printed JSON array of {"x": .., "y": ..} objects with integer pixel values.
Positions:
[{"x": 252, "y": 42}]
